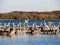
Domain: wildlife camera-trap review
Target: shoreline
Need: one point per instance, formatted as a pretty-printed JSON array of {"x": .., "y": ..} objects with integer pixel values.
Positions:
[{"x": 30, "y": 19}]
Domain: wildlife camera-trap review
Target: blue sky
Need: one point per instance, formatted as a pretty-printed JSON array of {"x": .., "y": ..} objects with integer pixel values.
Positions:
[{"x": 29, "y": 5}]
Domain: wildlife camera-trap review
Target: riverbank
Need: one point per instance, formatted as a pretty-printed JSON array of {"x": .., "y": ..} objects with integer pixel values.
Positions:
[
  {"x": 29, "y": 19},
  {"x": 21, "y": 15}
]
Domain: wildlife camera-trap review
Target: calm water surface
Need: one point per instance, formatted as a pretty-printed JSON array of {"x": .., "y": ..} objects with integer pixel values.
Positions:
[
  {"x": 30, "y": 22},
  {"x": 26, "y": 39}
]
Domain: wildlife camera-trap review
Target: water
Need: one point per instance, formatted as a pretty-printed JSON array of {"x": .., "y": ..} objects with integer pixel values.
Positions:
[
  {"x": 56, "y": 22},
  {"x": 27, "y": 39}
]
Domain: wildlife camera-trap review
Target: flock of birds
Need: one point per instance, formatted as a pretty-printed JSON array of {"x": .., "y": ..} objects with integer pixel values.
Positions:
[{"x": 43, "y": 28}]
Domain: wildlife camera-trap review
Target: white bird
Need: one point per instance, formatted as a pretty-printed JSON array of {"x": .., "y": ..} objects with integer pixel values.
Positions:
[{"x": 26, "y": 21}]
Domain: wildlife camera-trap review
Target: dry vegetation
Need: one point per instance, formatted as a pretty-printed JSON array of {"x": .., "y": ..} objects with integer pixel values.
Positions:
[{"x": 30, "y": 15}]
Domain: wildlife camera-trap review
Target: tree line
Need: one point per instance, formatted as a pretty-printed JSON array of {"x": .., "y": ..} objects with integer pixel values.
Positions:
[{"x": 21, "y": 15}]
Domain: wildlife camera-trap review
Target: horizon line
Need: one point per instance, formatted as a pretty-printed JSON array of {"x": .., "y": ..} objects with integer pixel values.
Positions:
[{"x": 29, "y": 11}]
